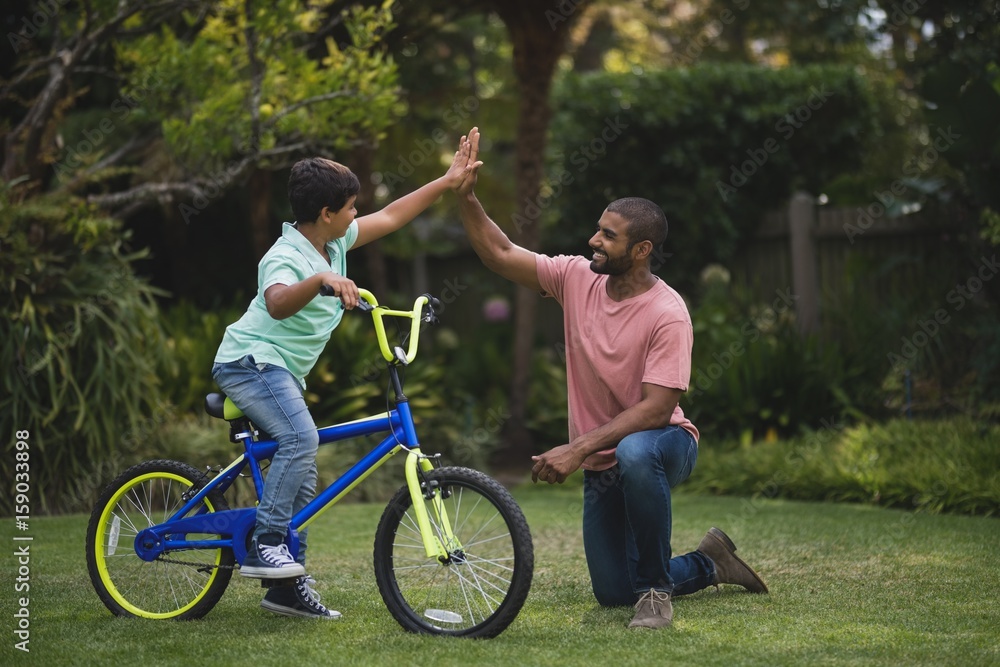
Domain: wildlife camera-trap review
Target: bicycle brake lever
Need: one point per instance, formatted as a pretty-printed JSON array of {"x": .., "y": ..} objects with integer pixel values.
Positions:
[{"x": 432, "y": 305}]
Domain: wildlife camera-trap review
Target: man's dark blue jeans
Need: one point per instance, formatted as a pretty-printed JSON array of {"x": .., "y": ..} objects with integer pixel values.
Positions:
[{"x": 627, "y": 520}]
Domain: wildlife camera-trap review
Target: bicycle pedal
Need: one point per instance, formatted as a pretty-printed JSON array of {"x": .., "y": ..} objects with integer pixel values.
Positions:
[{"x": 277, "y": 583}]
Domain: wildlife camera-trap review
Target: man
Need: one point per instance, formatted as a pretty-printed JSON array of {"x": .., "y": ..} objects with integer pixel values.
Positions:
[{"x": 628, "y": 359}]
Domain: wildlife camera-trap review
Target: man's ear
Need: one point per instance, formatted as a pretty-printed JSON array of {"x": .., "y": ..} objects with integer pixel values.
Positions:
[{"x": 642, "y": 249}]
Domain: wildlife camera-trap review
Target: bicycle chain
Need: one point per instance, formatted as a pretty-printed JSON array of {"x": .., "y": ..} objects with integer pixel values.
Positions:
[{"x": 200, "y": 566}]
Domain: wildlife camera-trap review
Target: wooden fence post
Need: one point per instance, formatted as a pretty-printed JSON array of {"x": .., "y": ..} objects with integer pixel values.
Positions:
[{"x": 805, "y": 283}]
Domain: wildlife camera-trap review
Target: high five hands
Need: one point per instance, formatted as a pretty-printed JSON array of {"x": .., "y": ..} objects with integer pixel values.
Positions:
[
  {"x": 468, "y": 155},
  {"x": 464, "y": 164}
]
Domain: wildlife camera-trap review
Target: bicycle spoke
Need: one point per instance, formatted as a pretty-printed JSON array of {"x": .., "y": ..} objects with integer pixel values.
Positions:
[
  {"x": 490, "y": 539},
  {"x": 472, "y": 584},
  {"x": 487, "y": 571},
  {"x": 477, "y": 570}
]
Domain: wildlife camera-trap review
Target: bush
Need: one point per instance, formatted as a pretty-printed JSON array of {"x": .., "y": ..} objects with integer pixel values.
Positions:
[
  {"x": 80, "y": 342},
  {"x": 901, "y": 359},
  {"x": 714, "y": 145},
  {"x": 548, "y": 409},
  {"x": 753, "y": 375},
  {"x": 193, "y": 338},
  {"x": 934, "y": 466}
]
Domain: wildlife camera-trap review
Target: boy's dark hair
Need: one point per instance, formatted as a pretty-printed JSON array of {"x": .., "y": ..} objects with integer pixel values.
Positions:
[
  {"x": 317, "y": 182},
  {"x": 646, "y": 221}
]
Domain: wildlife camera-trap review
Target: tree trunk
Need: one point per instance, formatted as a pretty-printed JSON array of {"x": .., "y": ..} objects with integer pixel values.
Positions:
[
  {"x": 260, "y": 212},
  {"x": 175, "y": 238},
  {"x": 538, "y": 34},
  {"x": 378, "y": 280}
]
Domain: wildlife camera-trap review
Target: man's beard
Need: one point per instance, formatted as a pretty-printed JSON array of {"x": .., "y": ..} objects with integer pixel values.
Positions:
[{"x": 612, "y": 266}]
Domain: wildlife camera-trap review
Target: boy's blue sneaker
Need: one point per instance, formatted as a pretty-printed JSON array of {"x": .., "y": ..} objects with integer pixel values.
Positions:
[
  {"x": 298, "y": 600},
  {"x": 265, "y": 561}
]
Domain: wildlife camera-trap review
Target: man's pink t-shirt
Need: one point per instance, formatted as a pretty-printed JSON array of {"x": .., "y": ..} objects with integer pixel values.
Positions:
[{"x": 613, "y": 347}]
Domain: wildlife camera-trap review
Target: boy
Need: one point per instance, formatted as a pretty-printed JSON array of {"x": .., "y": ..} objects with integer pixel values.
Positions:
[{"x": 266, "y": 355}]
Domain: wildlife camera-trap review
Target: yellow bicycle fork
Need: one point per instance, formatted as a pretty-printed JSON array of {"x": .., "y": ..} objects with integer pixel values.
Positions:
[{"x": 436, "y": 545}]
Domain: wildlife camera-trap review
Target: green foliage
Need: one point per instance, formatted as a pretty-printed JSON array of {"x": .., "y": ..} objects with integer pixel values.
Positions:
[
  {"x": 935, "y": 466},
  {"x": 193, "y": 338},
  {"x": 453, "y": 77},
  {"x": 80, "y": 344},
  {"x": 198, "y": 82},
  {"x": 967, "y": 102},
  {"x": 990, "y": 221},
  {"x": 956, "y": 67},
  {"x": 913, "y": 340},
  {"x": 882, "y": 350},
  {"x": 866, "y": 316},
  {"x": 548, "y": 411},
  {"x": 753, "y": 374},
  {"x": 714, "y": 145}
]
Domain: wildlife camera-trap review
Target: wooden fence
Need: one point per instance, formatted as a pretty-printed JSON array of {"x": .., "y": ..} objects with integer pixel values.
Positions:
[{"x": 816, "y": 251}]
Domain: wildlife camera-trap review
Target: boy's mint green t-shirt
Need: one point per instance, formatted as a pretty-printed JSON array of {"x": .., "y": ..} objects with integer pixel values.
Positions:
[{"x": 296, "y": 342}]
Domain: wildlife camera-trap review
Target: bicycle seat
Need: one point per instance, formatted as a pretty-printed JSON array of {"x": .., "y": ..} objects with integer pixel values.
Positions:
[{"x": 219, "y": 405}]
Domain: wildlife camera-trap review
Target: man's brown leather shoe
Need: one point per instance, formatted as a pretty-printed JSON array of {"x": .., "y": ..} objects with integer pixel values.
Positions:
[
  {"x": 653, "y": 610},
  {"x": 729, "y": 569}
]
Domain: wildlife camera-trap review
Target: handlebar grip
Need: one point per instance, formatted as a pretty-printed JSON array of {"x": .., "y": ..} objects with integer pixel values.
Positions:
[{"x": 363, "y": 306}]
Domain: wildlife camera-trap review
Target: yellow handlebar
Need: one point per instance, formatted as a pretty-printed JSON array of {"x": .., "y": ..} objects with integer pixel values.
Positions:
[{"x": 378, "y": 312}]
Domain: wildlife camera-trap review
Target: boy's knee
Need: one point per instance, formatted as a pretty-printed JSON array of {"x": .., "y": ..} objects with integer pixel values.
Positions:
[
  {"x": 300, "y": 442},
  {"x": 308, "y": 440}
]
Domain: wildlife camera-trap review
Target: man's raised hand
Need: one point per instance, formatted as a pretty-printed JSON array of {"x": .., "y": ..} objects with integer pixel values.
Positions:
[{"x": 473, "y": 162}]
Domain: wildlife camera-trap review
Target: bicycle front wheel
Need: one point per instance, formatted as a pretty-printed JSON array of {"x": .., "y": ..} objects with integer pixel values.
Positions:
[
  {"x": 145, "y": 495},
  {"x": 478, "y": 590}
]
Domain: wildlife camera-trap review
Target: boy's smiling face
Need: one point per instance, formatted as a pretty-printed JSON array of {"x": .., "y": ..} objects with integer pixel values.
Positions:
[{"x": 337, "y": 222}]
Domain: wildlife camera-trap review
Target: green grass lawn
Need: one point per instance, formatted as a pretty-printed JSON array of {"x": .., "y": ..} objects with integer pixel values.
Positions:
[{"x": 850, "y": 584}]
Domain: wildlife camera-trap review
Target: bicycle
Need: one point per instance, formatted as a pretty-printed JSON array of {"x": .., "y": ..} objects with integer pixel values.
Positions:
[{"x": 453, "y": 553}]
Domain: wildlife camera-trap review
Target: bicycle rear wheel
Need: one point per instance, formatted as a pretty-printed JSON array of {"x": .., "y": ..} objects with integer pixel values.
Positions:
[
  {"x": 481, "y": 587},
  {"x": 143, "y": 496}
]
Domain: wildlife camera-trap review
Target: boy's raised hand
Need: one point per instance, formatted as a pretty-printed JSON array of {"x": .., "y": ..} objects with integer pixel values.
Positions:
[{"x": 465, "y": 165}]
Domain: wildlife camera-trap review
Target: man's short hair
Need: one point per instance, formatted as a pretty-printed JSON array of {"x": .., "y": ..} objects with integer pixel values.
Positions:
[
  {"x": 317, "y": 182},
  {"x": 646, "y": 221}
]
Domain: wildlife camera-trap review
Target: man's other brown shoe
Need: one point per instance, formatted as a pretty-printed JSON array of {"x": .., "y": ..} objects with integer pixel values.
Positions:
[
  {"x": 653, "y": 610},
  {"x": 729, "y": 569}
]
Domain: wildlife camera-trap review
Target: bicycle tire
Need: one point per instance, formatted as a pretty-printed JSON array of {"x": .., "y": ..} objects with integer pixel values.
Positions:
[
  {"x": 143, "y": 495},
  {"x": 480, "y": 591}
]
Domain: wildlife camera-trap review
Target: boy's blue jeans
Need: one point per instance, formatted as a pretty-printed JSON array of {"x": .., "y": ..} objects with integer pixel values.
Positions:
[
  {"x": 272, "y": 398},
  {"x": 627, "y": 520}
]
